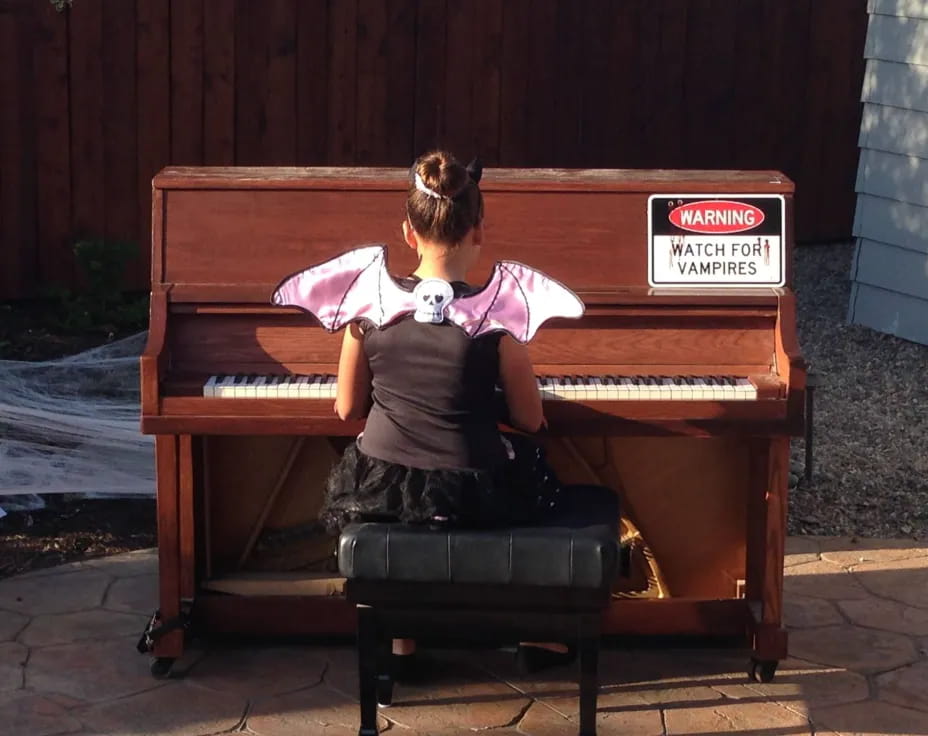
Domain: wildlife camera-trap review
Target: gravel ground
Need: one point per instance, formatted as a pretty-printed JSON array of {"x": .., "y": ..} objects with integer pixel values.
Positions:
[{"x": 871, "y": 414}]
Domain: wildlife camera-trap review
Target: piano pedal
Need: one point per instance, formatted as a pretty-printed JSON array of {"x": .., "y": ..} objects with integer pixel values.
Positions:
[{"x": 625, "y": 560}]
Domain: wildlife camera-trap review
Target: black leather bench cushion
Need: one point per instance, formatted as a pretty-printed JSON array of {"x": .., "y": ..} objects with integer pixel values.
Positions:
[{"x": 533, "y": 556}]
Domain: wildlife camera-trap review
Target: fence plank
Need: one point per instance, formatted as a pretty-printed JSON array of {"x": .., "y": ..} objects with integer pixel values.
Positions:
[
  {"x": 709, "y": 84},
  {"x": 153, "y": 85},
  {"x": 430, "y": 75},
  {"x": 53, "y": 146},
  {"x": 401, "y": 83},
  {"x": 459, "y": 66},
  {"x": 312, "y": 101},
  {"x": 485, "y": 41},
  {"x": 539, "y": 133},
  {"x": 17, "y": 154},
  {"x": 342, "y": 90},
  {"x": 186, "y": 82},
  {"x": 219, "y": 83},
  {"x": 373, "y": 74},
  {"x": 278, "y": 144},
  {"x": 120, "y": 173},
  {"x": 87, "y": 111},
  {"x": 514, "y": 98}
]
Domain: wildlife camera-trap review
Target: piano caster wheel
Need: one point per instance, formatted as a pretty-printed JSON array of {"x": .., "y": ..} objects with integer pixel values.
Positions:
[
  {"x": 160, "y": 667},
  {"x": 762, "y": 670}
]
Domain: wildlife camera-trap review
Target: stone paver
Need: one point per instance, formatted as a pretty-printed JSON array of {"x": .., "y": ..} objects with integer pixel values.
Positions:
[
  {"x": 91, "y": 670},
  {"x": 756, "y": 719},
  {"x": 822, "y": 580},
  {"x": 12, "y": 665},
  {"x": 138, "y": 594},
  {"x": 456, "y": 701},
  {"x": 801, "y": 686},
  {"x": 878, "y": 613},
  {"x": 139, "y": 562},
  {"x": 857, "y": 611},
  {"x": 905, "y": 581},
  {"x": 259, "y": 672},
  {"x": 629, "y": 717},
  {"x": 800, "y": 550},
  {"x": 869, "y": 718},
  {"x": 11, "y": 624},
  {"x": 315, "y": 710},
  {"x": 906, "y": 686},
  {"x": 851, "y": 647},
  {"x": 74, "y": 591},
  {"x": 27, "y": 714},
  {"x": 802, "y": 612},
  {"x": 851, "y": 551},
  {"x": 65, "y": 628},
  {"x": 179, "y": 710}
]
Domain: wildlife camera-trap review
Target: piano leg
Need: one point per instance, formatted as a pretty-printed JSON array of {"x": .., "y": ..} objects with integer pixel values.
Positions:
[
  {"x": 186, "y": 519},
  {"x": 766, "y": 540},
  {"x": 168, "y": 452}
]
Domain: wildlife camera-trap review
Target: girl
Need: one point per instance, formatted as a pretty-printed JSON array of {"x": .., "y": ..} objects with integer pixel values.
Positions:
[{"x": 431, "y": 451}]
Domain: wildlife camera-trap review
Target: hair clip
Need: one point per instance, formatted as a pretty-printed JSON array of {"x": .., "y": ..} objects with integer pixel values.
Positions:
[{"x": 420, "y": 185}]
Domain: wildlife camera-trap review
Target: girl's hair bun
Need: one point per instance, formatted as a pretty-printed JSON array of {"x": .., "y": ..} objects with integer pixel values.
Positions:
[
  {"x": 442, "y": 173},
  {"x": 444, "y": 202}
]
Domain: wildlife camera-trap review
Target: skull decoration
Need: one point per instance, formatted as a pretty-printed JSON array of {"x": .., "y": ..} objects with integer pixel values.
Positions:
[{"x": 432, "y": 296}]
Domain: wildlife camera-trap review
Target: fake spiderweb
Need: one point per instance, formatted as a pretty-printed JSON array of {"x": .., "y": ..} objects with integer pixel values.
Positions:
[{"x": 71, "y": 425}]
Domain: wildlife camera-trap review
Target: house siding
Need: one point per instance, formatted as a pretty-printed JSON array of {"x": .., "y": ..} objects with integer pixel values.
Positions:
[{"x": 889, "y": 274}]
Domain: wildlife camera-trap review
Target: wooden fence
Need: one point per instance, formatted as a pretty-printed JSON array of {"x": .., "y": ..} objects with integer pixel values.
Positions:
[{"x": 94, "y": 100}]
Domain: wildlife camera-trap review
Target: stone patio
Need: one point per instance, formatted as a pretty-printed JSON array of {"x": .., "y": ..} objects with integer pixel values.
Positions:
[{"x": 858, "y": 611}]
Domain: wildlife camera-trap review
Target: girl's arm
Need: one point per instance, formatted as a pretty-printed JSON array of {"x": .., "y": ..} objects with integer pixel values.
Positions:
[
  {"x": 519, "y": 385},
  {"x": 353, "y": 395}
]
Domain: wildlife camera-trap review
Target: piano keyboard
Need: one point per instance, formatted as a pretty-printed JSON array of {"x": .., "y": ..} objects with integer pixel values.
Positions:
[{"x": 552, "y": 388}]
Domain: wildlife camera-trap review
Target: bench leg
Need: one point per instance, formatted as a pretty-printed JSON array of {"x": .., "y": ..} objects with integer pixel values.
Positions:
[
  {"x": 588, "y": 655},
  {"x": 367, "y": 669},
  {"x": 384, "y": 669}
]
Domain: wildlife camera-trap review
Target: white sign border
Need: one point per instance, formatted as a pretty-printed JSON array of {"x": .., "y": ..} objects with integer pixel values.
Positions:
[{"x": 730, "y": 285}]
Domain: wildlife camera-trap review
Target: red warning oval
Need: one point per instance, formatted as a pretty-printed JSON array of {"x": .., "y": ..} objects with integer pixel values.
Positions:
[{"x": 716, "y": 216}]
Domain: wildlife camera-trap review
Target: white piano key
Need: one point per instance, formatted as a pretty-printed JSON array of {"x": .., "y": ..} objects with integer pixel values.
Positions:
[
  {"x": 238, "y": 388},
  {"x": 746, "y": 390},
  {"x": 257, "y": 389},
  {"x": 330, "y": 388},
  {"x": 667, "y": 389},
  {"x": 225, "y": 389},
  {"x": 686, "y": 389},
  {"x": 209, "y": 388}
]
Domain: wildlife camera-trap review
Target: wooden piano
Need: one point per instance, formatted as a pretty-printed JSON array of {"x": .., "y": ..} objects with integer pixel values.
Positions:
[{"x": 681, "y": 399}]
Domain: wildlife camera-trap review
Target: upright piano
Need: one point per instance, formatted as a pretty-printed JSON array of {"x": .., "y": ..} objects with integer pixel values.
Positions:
[{"x": 682, "y": 398}]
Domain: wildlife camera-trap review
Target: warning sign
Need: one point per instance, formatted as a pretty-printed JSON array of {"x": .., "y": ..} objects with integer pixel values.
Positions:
[{"x": 726, "y": 240}]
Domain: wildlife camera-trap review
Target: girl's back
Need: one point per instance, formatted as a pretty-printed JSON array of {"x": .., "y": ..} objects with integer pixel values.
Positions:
[{"x": 433, "y": 396}]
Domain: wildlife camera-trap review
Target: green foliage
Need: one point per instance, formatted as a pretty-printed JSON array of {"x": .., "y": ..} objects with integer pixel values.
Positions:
[{"x": 103, "y": 306}]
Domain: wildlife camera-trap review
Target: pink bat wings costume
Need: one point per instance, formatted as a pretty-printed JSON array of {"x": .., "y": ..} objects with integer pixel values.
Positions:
[{"x": 517, "y": 299}]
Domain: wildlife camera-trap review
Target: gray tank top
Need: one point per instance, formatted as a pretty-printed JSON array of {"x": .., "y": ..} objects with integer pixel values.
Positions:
[{"x": 433, "y": 395}]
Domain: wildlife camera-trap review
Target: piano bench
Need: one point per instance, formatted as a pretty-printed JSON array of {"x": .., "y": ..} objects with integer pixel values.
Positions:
[{"x": 518, "y": 584}]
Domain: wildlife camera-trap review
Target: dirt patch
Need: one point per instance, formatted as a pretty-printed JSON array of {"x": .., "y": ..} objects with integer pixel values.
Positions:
[{"x": 69, "y": 529}]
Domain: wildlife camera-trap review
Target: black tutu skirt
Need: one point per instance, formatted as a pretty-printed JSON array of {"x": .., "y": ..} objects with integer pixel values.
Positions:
[{"x": 522, "y": 491}]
